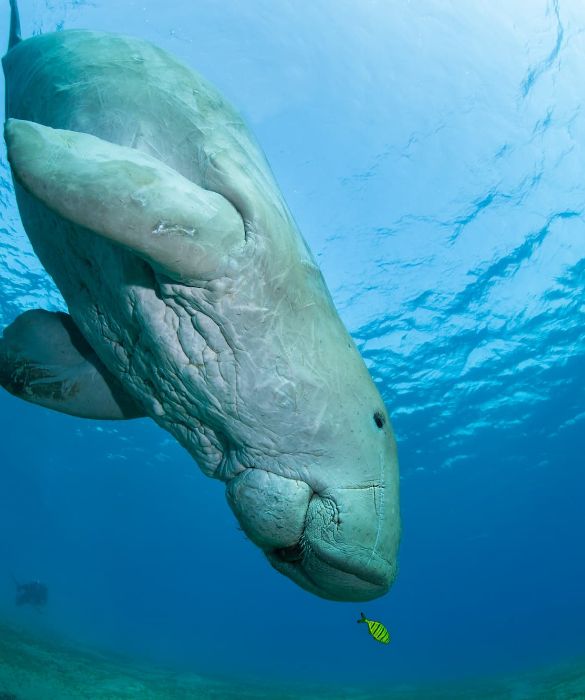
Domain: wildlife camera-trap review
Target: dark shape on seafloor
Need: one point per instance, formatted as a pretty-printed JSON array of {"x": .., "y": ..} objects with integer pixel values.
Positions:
[
  {"x": 8, "y": 696},
  {"x": 33, "y": 593}
]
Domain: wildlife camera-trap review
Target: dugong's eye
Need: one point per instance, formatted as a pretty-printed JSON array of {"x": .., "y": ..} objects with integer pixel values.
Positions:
[{"x": 379, "y": 419}]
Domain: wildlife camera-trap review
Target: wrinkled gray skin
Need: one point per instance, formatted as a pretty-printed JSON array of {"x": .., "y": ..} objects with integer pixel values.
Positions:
[{"x": 194, "y": 300}]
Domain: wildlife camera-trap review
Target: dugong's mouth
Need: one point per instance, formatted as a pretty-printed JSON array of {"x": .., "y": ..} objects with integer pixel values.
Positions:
[
  {"x": 332, "y": 582},
  {"x": 351, "y": 589},
  {"x": 334, "y": 570},
  {"x": 336, "y": 544}
]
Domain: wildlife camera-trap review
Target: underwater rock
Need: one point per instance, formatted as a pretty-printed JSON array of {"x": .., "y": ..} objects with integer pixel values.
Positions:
[
  {"x": 33, "y": 593},
  {"x": 44, "y": 668}
]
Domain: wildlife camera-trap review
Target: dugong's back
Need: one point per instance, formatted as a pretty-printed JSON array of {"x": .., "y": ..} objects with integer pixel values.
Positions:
[
  {"x": 131, "y": 93},
  {"x": 128, "y": 92}
]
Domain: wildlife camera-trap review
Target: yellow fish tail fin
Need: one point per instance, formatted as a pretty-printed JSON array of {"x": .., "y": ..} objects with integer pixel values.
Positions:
[{"x": 363, "y": 618}]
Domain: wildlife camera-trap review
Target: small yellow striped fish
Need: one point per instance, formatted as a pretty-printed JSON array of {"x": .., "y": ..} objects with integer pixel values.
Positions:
[{"x": 377, "y": 630}]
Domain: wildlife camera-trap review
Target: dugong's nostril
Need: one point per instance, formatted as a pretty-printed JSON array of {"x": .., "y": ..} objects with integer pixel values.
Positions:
[{"x": 289, "y": 554}]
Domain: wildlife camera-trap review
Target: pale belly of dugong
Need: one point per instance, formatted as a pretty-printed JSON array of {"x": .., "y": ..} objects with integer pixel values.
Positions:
[{"x": 197, "y": 303}]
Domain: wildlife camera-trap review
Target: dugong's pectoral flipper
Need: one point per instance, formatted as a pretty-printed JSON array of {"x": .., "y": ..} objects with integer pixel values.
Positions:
[
  {"x": 44, "y": 359},
  {"x": 131, "y": 198}
]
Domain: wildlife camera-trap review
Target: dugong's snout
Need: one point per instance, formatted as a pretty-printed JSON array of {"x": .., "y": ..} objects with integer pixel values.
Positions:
[
  {"x": 334, "y": 544},
  {"x": 342, "y": 552}
]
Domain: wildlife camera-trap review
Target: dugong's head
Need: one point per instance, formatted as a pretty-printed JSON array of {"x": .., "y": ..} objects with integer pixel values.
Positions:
[
  {"x": 326, "y": 514},
  {"x": 316, "y": 487},
  {"x": 319, "y": 491},
  {"x": 231, "y": 342}
]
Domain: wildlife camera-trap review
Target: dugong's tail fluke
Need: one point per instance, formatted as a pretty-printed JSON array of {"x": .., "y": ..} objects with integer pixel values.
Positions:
[{"x": 14, "y": 25}]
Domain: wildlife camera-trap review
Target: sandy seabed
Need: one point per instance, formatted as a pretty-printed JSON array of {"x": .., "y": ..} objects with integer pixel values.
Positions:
[{"x": 32, "y": 668}]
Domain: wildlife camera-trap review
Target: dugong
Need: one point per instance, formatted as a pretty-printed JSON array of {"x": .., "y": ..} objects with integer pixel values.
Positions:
[{"x": 194, "y": 300}]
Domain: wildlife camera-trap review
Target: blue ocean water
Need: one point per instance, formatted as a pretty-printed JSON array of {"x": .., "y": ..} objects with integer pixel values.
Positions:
[{"x": 433, "y": 155}]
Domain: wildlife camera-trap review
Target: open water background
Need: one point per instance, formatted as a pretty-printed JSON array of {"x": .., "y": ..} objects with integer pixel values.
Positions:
[{"x": 433, "y": 154}]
